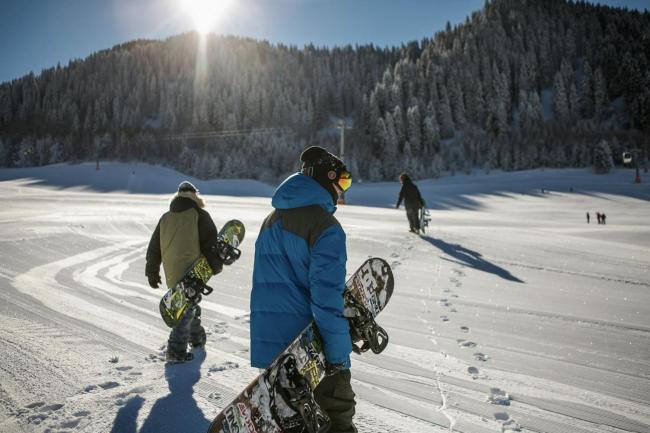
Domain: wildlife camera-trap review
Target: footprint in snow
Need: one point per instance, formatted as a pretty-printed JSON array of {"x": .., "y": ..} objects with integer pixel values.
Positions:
[
  {"x": 124, "y": 368},
  {"x": 466, "y": 344},
  {"x": 481, "y": 357},
  {"x": 72, "y": 423},
  {"x": 444, "y": 318},
  {"x": 454, "y": 280},
  {"x": 458, "y": 272},
  {"x": 510, "y": 425},
  {"x": 41, "y": 411},
  {"x": 220, "y": 327},
  {"x": 453, "y": 310},
  {"x": 499, "y": 397},
  {"x": 222, "y": 367},
  {"x": 105, "y": 385},
  {"x": 50, "y": 408},
  {"x": 394, "y": 255},
  {"x": 473, "y": 371},
  {"x": 443, "y": 302},
  {"x": 246, "y": 318},
  {"x": 465, "y": 329},
  {"x": 395, "y": 264},
  {"x": 454, "y": 296},
  {"x": 447, "y": 290}
]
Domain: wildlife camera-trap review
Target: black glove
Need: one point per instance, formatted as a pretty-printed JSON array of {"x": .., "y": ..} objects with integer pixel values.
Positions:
[
  {"x": 216, "y": 267},
  {"x": 154, "y": 280}
]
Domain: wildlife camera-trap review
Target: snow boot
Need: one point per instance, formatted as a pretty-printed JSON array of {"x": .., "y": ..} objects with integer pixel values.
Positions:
[
  {"x": 178, "y": 358},
  {"x": 200, "y": 341}
]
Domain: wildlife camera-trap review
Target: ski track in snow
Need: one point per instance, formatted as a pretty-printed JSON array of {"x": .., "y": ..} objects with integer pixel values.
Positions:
[{"x": 82, "y": 342}]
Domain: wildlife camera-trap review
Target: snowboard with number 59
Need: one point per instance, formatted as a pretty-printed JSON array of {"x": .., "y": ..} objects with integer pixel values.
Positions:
[{"x": 280, "y": 399}]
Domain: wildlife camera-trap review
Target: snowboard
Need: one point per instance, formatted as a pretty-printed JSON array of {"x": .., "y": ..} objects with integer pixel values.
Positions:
[
  {"x": 193, "y": 284},
  {"x": 425, "y": 218},
  {"x": 280, "y": 399}
]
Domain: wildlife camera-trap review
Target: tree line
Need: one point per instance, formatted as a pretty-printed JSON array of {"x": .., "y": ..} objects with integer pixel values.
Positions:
[{"x": 520, "y": 84}]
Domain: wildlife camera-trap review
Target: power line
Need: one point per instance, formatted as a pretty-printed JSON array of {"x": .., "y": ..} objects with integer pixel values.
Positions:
[{"x": 224, "y": 133}]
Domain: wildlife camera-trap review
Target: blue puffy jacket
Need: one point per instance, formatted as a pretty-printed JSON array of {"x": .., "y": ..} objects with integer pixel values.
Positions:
[{"x": 299, "y": 274}]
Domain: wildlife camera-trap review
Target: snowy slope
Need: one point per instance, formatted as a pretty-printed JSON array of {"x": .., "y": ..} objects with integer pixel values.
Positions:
[{"x": 512, "y": 313}]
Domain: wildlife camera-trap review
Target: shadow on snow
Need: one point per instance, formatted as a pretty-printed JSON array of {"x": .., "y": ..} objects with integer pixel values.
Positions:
[
  {"x": 173, "y": 413},
  {"x": 472, "y": 259}
]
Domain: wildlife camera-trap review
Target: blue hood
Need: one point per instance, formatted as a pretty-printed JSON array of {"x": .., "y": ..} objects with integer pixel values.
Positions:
[{"x": 299, "y": 190}]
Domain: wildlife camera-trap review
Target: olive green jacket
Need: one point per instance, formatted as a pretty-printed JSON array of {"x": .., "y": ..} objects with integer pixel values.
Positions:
[{"x": 181, "y": 236}]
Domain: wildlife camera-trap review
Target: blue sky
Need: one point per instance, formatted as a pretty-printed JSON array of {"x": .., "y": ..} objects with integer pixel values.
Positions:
[{"x": 35, "y": 34}]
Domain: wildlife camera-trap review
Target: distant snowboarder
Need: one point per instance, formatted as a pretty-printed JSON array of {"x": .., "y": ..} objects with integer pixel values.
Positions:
[
  {"x": 603, "y": 217},
  {"x": 299, "y": 276},
  {"x": 598, "y": 217},
  {"x": 181, "y": 236},
  {"x": 588, "y": 217},
  {"x": 412, "y": 202}
]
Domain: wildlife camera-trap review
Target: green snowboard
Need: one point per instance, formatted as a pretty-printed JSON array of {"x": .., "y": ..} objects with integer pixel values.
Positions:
[{"x": 193, "y": 284}]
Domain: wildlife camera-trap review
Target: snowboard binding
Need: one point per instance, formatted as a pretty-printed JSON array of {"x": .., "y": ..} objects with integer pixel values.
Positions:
[
  {"x": 194, "y": 288},
  {"x": 286, "y": 382},
  {"x": 365, "y": 332},
  {"x": 227, "y": 253}
]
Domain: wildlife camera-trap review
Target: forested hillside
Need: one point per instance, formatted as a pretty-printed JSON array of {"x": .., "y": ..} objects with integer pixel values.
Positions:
[{"x": 519, "y": 84}]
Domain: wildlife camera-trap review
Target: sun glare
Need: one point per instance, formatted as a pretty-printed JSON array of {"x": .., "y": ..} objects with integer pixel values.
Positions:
[{"x": 205, "y": 13}]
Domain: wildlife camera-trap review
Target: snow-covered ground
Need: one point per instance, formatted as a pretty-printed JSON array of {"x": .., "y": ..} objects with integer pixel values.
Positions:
[{"x": 511, "y": 313}]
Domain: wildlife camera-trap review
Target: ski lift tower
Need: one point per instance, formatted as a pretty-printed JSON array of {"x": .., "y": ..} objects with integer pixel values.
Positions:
[
  {"x": 637, "y": 176},
  {"x": 342, "y": 125}
]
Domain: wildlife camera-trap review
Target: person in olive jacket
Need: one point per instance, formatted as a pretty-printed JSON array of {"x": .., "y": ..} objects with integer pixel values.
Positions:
[
  {"x": 183, "y": 233},
  {"x": 412, "y": 202}
]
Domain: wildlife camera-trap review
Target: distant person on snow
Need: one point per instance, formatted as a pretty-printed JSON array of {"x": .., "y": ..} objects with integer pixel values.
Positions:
[
  {"x": 299, "y": 276},
  {"x": 603, "y": 217},
  {"x": 412, "y": 202},
  {"x": 588, "y": 217},
  {"x": 181, "y": 236},
  {"x": 598, "y": 217}
]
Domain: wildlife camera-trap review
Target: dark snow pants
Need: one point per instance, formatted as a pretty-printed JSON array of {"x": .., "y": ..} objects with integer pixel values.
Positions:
[
  {"x": 335, "y": 396},
  {"x": 413, "y": 215},
  {"x": 188, "y": 330}
]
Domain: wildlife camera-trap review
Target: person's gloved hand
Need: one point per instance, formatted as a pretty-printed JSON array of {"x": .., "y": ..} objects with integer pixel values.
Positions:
[
  {"x": 154, "y": 280},
  {"x": 216, "y": 266}
]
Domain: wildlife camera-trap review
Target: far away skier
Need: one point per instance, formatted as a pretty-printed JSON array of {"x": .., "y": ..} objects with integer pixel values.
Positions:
[
  {"x": 299, "y": 276},
  {"x": 181, "y": 236},
  {"x": 412, "y": 202}
]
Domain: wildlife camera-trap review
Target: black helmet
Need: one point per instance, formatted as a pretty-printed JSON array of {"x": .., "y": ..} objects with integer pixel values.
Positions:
[{"x": 326, "y": 169}]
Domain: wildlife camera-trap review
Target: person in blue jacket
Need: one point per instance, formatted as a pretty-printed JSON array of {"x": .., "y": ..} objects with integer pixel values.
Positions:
[{"x": 299, "y": 276}]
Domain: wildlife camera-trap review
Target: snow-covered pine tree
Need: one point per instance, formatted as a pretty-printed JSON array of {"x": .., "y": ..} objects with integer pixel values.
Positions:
[{"x": 603, "y": 161}]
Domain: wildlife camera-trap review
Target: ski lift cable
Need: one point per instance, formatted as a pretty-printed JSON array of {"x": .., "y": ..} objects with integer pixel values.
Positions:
[{"x": 224, "y": 133}]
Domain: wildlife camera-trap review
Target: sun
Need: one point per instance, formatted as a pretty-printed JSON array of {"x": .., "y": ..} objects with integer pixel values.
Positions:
[{"x": 205, "y": 13}]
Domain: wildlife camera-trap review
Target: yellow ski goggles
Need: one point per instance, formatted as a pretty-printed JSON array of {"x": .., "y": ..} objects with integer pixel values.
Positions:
[{"x": 345, "y": 180}]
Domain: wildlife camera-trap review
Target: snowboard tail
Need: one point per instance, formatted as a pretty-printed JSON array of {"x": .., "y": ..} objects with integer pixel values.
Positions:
[{"x": 425, "y": 219}]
